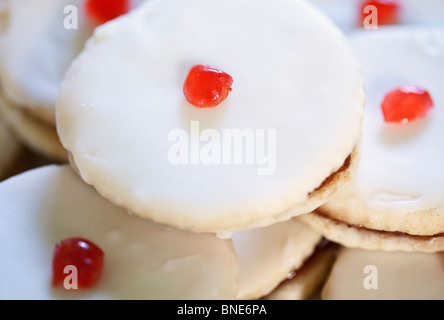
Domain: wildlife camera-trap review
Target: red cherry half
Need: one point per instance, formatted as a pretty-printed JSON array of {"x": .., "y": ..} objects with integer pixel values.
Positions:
[
  {"x": 206, "y": 87},
  {"x": 83, "y": 254},
  {"x": 101, "y": 11},
  {"x": 388, "y": 10},
  {"x": 405, "y": 104}
]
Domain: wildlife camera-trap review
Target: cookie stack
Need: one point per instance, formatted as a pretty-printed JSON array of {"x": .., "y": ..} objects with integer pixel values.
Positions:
[
  {"x": 389, "y": 219},
  {"x": 196, "y": 132},
  {"x": 222, "y": 149}
]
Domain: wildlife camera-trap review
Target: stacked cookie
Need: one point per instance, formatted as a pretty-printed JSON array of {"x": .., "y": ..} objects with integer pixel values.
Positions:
[
  {"x": 251, "y": 189},
  {"x": 38, "y": 41},
  {"x": 31, "y": 68},
  {"x": 389, "y": 219},
  {"x": 189, "y": 198}
]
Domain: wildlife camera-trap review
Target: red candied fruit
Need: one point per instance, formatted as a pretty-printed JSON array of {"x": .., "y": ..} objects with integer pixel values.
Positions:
[
  {"x": 405, "y": 104},
  {"x": 388, "y": 10},
  {"x": 206, "y": 87},
  {"x": 101, "y": 11},
  {"x": 86, "y": 256}
]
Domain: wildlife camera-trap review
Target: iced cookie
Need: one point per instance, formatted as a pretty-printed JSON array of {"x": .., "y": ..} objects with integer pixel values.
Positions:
[
  {"x": 142, "y": 260},
  {"x": 281, "y": 139},
  {"x": 376, "y": 275},
  {"x": 38, "y": 41},
  {"x": 395, "y": 201}
]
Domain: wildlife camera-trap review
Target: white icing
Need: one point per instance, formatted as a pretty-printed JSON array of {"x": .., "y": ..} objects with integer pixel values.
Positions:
[
  {"x": 375, "y": 275},
  {"x": 401, "y": 168},
  {"x": 143, "y": 260},
  {"x": 36, "y": 48},
  {"x": 293, "y": 72}
]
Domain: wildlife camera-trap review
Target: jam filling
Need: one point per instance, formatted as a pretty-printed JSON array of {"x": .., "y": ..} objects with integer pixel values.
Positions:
[{"x": 383, "y": 233}]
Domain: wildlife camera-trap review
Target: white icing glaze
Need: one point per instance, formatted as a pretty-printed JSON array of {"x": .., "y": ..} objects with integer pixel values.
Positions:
[
  {"x": 345, "y": 13},
  {"x": 142, "y": 260},
  {"x": 36, "y": 49},
  {"x": 375, "y": 275},
  {"x": 401, "y": 168},
  {"x": 268, "y": 255},
  {"x": 293, "y": 72}
]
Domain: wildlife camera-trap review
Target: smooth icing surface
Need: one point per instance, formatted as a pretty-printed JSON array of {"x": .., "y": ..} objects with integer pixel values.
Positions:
[
  {"x": 346, "y": 13},
  {"x": 37, "y": 45},
  {"x": 143, "y": 260},
  {"x": 293, "y": 73},
  {"x": 36, "y": 50},
  {"x": 399, "y": 185},
  {"x": 376, "y": 275},
  {"x": 267, "y": 255}
]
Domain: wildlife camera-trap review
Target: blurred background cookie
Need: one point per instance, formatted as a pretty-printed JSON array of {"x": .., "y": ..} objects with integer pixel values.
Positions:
[
  {"x": 51, "y": 205},
  {"x": 350, "y": 15},
  {"x": 142, "y": 260},
  {"x": 399, "y": 185},
  {"x": 377, "y": 275},
  {"x": 38, "y": 41}
]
